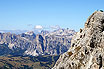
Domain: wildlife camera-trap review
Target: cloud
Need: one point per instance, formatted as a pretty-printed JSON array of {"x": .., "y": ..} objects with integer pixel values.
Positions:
[
  {"x": 55, "y": 27},
  {"x": 38, "y": 27}
]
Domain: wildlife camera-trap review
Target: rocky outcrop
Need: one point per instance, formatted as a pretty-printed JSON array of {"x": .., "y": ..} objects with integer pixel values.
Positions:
[{"x": 87, "y": 46}]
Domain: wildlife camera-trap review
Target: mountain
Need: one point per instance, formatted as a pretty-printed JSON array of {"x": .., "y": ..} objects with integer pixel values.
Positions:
[
  {"x": 36, "y": 31},
  {"x": 59, "y": 41},
  {"x": 45, "y": 43},
  {"x": 87, "y": 46},
  {"x": 15, "y": 43},
  {"x": 14, "y": 31}
]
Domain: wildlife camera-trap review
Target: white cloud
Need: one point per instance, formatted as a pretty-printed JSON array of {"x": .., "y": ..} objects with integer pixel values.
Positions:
[
  {"x": 55, "y": 27},
  {"x": 38, "y": 27}
]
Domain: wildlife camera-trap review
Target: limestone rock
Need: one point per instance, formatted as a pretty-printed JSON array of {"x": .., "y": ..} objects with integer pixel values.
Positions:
[{"x": 87, "y": 46}]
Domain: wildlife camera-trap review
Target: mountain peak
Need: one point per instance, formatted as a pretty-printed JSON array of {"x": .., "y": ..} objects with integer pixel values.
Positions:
[{"x": 29, "y": 33}]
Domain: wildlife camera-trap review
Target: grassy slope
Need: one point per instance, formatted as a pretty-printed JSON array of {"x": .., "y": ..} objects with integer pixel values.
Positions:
[{"x": 40, "y": 62}]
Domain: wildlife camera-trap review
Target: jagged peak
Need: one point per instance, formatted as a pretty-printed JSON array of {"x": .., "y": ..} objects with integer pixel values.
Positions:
[
  {"x": 29, "y": 33},
  {"x": 95, "y": 18}
]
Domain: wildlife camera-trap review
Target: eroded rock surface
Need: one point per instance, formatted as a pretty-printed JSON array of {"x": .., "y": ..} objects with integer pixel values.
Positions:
[{"x": 87, "y": 46}]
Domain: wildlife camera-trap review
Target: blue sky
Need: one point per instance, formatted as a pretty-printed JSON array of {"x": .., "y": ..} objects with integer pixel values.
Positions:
[{"x": 25, "y": 14}]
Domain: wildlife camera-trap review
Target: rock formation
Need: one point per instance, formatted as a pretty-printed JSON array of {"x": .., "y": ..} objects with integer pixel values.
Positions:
[{"x": 87, "y": 46}]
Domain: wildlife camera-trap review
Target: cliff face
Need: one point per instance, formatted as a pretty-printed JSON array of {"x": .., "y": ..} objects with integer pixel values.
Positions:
[{"x": 87, "y": 46}]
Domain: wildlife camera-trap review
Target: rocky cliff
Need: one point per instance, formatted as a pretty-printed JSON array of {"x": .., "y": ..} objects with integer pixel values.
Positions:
[{"x": 87, "y": 46}]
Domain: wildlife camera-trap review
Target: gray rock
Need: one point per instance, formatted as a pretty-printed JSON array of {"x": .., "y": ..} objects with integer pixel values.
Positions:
[{"x": 87, "y": 46}]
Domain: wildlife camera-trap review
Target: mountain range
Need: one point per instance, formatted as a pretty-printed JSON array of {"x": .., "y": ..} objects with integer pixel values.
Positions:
[
  {"x": 13, "y": 31},
  {"x": 29, "y": 43}
]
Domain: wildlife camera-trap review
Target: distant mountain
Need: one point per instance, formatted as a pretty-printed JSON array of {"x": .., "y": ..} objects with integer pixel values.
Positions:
[
  {"x": 36, "y": 31},
  {"x": 45, "y": 43},
  {"x": 14, "y": 31}
]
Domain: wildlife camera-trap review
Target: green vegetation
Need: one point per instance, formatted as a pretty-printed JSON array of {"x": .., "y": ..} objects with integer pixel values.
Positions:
[{"x": 21, "y": 62}]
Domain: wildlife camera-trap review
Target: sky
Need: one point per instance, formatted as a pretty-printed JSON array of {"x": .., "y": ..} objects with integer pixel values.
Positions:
[{"x": 46, "y": 14}]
